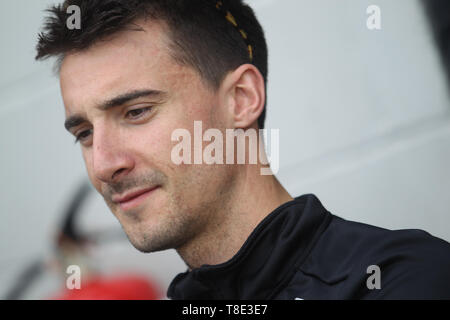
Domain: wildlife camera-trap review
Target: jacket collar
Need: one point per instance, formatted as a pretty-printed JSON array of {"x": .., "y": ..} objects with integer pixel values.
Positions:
[{"x": 266, "y": 261}]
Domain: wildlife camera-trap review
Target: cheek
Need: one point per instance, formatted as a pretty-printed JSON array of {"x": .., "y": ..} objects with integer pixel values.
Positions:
[
  {"x": 152, "y": 144},
  {"x": 89, "y": 168}
]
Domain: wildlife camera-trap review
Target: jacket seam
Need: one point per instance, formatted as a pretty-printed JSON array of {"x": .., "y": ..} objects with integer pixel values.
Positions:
[{"x": 296, "y": 267}]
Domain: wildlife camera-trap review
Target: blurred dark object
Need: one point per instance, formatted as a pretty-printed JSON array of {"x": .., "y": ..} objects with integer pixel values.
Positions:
[
  {"x": 25, "y": 280},
  {"x": 67, "y": 233},
  {"x": 438, "y": 12},
  {"x": 70, "y": 248}
]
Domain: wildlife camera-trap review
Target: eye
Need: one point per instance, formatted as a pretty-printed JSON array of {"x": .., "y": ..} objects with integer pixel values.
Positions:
[
  {"x": 137, "y": 113},
  {"x": 83, "y": 135}
]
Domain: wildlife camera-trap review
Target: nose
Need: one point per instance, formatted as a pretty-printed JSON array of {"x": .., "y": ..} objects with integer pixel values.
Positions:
[{"x": 111, "y": 160}]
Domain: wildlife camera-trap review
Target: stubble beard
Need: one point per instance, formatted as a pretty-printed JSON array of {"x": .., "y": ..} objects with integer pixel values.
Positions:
[
  {"x": 180, "y": 219},
  {"x": 169, "y": 229}
]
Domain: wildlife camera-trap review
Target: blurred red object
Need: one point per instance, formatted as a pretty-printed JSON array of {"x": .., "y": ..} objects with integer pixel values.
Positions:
[{"x": 123, "y": 287}]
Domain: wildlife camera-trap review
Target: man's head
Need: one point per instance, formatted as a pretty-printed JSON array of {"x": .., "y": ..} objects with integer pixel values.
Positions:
[
  {"x": 134, "y": 73},
  {"x": 209, "y": 36}
]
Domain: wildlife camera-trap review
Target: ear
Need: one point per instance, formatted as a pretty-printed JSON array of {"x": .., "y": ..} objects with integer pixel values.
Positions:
[{"x": 245, "y": 91}]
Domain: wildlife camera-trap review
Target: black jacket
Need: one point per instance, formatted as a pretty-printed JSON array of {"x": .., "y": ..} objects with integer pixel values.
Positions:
[{"x": 301, "y": 251}]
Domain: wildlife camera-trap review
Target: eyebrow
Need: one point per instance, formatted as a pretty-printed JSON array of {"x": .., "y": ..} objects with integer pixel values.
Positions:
[{"x": 76, "y": 120}]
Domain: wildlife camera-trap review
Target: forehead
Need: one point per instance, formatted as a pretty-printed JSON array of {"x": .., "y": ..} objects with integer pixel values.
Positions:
[{"x": 127, "y": 61}]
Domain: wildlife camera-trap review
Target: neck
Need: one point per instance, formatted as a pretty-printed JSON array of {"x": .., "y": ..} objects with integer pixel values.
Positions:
[{"x": 253, "y": 197}]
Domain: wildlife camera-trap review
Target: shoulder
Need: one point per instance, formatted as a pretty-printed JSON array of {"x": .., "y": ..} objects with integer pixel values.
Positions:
[
  {"x": 416, "y": 266},
  {"x": 412, "y": 245},
  {"x": 412, "y": 264}
]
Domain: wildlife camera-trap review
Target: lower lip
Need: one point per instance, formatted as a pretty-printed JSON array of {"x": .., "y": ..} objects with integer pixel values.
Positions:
[{"x": 135, "y": 202}]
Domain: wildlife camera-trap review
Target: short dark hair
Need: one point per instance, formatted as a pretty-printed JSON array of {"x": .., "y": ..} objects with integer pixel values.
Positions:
[{"x": 201, "y": 35}]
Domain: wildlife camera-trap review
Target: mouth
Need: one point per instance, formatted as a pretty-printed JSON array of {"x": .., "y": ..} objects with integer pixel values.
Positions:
[{"x": 133, "y": 199}]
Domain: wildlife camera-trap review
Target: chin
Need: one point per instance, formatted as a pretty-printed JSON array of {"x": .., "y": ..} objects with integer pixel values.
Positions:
[
  {"x": 141, "y": 243},
  {"x": 146, "y": 243}
]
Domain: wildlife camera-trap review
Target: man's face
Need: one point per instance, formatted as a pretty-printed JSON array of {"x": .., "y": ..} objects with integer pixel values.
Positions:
[{"x": 126, "y": 96}]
